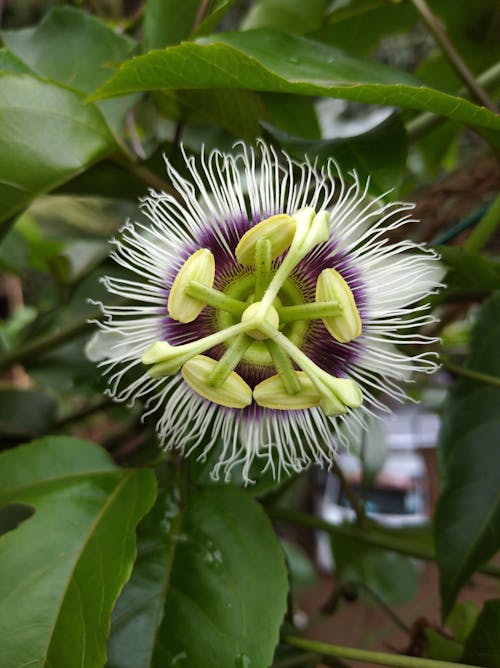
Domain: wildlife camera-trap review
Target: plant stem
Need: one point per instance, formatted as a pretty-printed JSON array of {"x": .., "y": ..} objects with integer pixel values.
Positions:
[
  {"x": 469, "y": 373},
  {"x": 298, "y": 660},
  {"x": 366, "y": 656},
  {"x": 485, "y": 228},
  {"x": 82, "y": 414},
  {"x": 385, "y": 541},
  {"x": 455, "y": 59},
  {"x": 144, "y": 174},
  {"x": 349, "y": 492},
  {"x": 44, "y": 343}
]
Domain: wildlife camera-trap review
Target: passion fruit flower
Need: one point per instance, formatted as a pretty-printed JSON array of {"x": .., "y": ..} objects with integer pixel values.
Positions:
[{"x": 268, "y": 312}]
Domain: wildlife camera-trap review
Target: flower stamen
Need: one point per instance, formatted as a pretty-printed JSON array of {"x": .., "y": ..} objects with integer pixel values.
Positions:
[
  {"x": 284, "y": 367},
  {"x": 272, "y": 393},
  {"x": 200, "y": 267},
  {"x": 227, "y": 363},
  {"x": 336, "y": 393},
  {"x": 311, "y": 228},
  {"x": 233, "y": 392},
  {"x": 215, "y": 298},
  {"x": 346, "y": 326},
  {"x": 166, "y": 359},
  {"x": 314, "y": 311},
  {"x": 279, "y": 229}
]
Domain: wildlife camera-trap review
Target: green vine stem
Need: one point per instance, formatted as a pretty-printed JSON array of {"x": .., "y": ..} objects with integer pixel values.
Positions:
[
  {"x": 394, "y": 543},
  {"x": 45, "y": 343},
  {"x": 367, "y": 656},
  {"x": 486, "y": 227},
  {"x": 469, "y": 373},
  {"x": 454, "y": 58}
]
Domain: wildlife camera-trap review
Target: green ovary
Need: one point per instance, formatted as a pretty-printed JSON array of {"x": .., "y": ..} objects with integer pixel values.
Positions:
[{"x": 242, "y": 288}]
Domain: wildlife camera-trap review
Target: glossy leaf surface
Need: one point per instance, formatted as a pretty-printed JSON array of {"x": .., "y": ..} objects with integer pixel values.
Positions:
[
  {"x": 63, "y": 567},
  {"x": 467, "y": 522},
  {"x": 47, "y": 135},
  {"x": 201, "y": 592},
  {"x": 270, "y": 61}
]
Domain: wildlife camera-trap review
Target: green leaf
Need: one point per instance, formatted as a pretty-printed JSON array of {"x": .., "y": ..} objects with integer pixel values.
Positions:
[
  {"x": 95, "y": 50},
  {"x": 483, "y": 644},
  {"x": 25, "y": 414},
  {"x": 264, "y": 60},
  {"x": 10, "y": 63},
  {"x": 294, "y": 16},
  {"x": 168, "y": 22},
  {"x": 63, "y": 568},
  {"x": 390, "y": 576},
  {"x": 360, "y": 25},
  {"x": 469, "y": 272},
  {"x": 442, "y": 648},
  {"x": 217, "y": 11},
  {"x": 467, "y": 521},
  {"x": 292, "y": 114},
  {"x": 47, "y": 135},
  {"x": 379, "y": 153},
  {"x": 209, "y": 588},
  {"x": 237, "y": 111},
  {"x": 462, "y": 619}
]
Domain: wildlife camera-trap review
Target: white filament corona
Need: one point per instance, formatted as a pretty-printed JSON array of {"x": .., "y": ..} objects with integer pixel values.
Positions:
[{"x": 249, "y": 185}]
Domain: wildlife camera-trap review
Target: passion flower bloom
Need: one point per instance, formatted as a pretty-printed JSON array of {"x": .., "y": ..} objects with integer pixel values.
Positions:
[{"x": 268, "y": 312}]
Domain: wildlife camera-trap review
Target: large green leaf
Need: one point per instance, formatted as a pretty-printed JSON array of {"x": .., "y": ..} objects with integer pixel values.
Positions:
[
  {"x": 168, "y": 22},
  {"x": 360, "y": 25},
  {"x": 237, "y": 111},
  {"x": 294, "y": 114},
  {"x": 10, "y": 63},
  {"x": 73, "y": 48},
  {"x": 62, "y": 569},
  {"x": 209, "y": 587},
  {"x": 47, "y": 135},
  {"x": 270, "y": 61},
  {"x": 293, "y": 16},
  {"x": 467, "y": 522},
  {"x": 379, "y": 153},
  {"x": 483, "y": 644}
]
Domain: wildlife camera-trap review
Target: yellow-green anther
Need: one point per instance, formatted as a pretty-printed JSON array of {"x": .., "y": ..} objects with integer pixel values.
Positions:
[
  {"x": 234, "y": 392},
  {"x": 335, "y": 393},
  {"x": 315, "y": 311},
  {"x": 229, "y": 360},
  {"x": 278, "y": 229},
  {"x": 272, "y": 393},
  {"x": 263, "y": 259},
  {"x": 284, "y": 367},
  {"x": 253, "y": 313},
  {"x": 167, "y": 359},
  {"x": 199, "y": 267},
  {"x": 332, "y": 287},
  {"x": 311, "y": 228},
  {"x": 215, "y": 298}
]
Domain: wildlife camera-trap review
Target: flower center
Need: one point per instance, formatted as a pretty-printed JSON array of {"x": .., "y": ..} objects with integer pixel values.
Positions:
[{"x": 262, "y": 318}]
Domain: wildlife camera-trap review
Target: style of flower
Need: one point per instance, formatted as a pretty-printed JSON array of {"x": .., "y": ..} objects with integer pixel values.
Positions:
[{"x": 268, "y": 311}]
